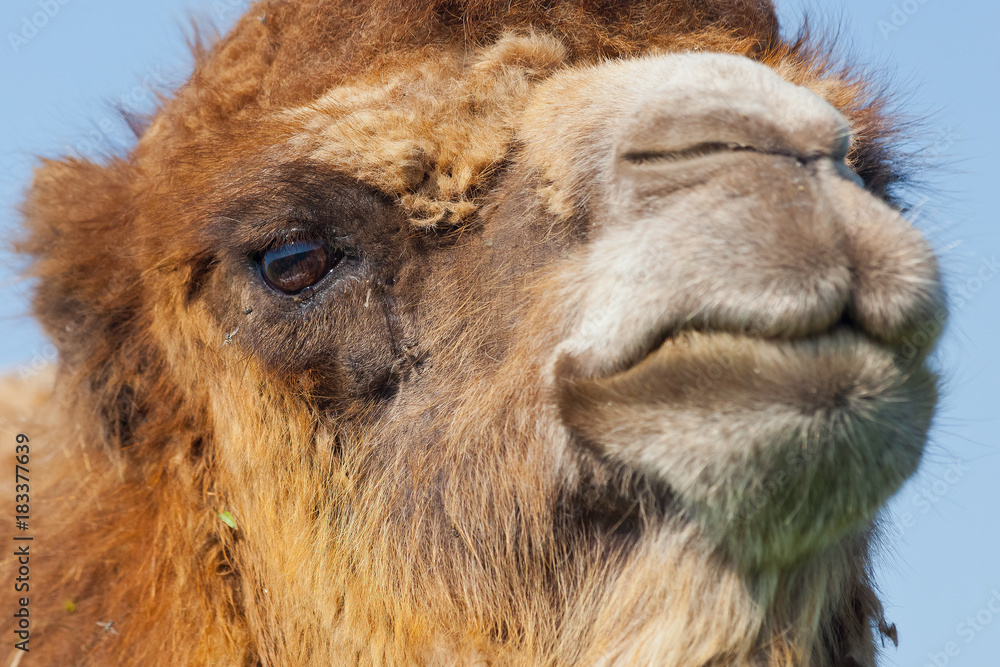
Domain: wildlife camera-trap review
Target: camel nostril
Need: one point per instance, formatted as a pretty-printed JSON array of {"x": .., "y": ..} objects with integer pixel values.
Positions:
[
  {"x": 848, "y": 173},
  {"x": 841, "y": 146}
]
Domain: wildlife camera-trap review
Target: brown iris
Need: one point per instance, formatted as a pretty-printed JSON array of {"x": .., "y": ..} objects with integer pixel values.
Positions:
[{"x": 293, "y": 267}]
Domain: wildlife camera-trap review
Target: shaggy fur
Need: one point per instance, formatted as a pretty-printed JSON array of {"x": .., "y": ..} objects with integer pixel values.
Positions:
[{"x": 605, "y": 374}]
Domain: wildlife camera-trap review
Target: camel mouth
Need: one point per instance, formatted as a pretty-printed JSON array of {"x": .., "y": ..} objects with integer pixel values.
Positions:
[
  {"x": 839, "y": 337},
  {"x": 777, "y": 446},
  {"x": 828, "y": 371}
]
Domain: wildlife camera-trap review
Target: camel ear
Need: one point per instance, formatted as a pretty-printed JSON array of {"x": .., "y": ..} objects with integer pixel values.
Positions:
[{"x": 78, "y": 240}]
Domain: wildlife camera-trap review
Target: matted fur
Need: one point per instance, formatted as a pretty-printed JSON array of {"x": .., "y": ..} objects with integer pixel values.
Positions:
[{"x": 404, "y": 487}]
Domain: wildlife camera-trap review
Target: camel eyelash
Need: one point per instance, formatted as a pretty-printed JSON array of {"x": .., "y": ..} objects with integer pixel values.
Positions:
[{"x": 249, "y": 238}]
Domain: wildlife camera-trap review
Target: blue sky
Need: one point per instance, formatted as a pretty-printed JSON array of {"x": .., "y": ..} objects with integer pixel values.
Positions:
[{"x": 70, "y": 62}]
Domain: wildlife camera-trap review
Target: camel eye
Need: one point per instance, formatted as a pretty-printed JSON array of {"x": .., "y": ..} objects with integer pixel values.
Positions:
[{"x": 293, "y": 267}]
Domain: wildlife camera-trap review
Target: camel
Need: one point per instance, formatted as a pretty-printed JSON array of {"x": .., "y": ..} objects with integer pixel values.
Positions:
[{"x": 476, "y": 332}]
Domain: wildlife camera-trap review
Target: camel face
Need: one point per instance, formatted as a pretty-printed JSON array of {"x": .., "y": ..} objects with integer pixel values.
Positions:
[{"x": 551, "y": 343}]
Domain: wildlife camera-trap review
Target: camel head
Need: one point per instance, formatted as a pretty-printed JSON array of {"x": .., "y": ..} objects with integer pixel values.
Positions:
[{"x": 503, "y": 333}]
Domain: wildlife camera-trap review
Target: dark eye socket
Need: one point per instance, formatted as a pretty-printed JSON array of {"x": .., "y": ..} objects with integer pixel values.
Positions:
[{"x": 295, "y": 266}]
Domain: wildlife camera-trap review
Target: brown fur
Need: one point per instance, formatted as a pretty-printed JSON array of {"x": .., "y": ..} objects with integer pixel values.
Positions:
[{"x": 414, "y": 477}]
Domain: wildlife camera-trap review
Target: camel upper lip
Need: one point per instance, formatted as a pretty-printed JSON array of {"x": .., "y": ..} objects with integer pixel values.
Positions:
[{"x": 844, "y": 324}]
